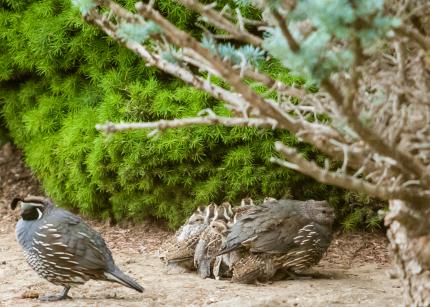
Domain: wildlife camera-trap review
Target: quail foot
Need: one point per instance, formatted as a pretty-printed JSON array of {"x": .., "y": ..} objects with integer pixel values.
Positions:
[{"x": 63, "y": 249}]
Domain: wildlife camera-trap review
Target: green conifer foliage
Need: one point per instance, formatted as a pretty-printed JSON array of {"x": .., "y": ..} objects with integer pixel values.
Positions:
[{"x": 60, "y": 77}]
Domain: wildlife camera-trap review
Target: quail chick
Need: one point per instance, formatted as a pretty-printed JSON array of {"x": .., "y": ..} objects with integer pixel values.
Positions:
[
  {"x": 223, "y": 264},
  {"x": 251, "y": 268},
  {"x": 191, "y": 226},
  {"x": 245, "y": 204},
  {"x": 179, "y": 250},
  {"x": 63, "y": 249},
  {"x": 289, "y": 235},
  {"x": 210, "y": 240}
]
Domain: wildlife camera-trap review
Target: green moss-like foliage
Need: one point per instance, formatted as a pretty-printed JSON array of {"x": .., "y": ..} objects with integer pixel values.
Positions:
[{"x": 60, "y": 77}]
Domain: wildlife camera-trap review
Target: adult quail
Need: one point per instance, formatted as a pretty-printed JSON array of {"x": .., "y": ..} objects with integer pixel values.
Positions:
[
  {"x": 179, "y": 250},
  {"x": 289, "y": 235},
  {"x": 210, "y": 240},
  {"x": 63, "y": 249}
]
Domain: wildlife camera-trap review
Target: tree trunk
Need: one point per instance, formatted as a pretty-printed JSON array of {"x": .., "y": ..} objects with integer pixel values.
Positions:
[{"x": 409, "y": 235}]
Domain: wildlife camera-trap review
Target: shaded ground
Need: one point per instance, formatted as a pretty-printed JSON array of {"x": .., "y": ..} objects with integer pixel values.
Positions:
[{"x": 358, "y": 264}]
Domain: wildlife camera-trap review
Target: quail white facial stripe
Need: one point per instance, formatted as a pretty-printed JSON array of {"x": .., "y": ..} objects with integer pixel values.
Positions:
[{"x": 39, "y": 212}]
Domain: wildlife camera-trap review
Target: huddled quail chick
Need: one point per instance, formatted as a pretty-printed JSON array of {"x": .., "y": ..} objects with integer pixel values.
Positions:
[
  {"x": 279, "y": 235},
  {"x": 223, "y": 264},
  {"x": 246, "y": 204},
  {"x": 63, "y": 249},
  {"x": 179, "y": 250},
  {"x": 191, "y": 226},
  {"x": 250, "y": 268},
  {"x": 210, "y": 240}
]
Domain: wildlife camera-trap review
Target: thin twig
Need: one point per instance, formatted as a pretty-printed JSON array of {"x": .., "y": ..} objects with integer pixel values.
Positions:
[
  {"x": 214, "y": 18},
  {"x": 185, "y": 122},
  {"x": 294, "y": 46},
  {"x": 417, "y": 196}
]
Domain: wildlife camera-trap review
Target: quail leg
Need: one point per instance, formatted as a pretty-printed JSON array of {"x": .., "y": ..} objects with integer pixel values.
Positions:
[
  {"x": 52, "y": 298},
  {"x": 204, "y": 268},
  {"x": 217, "y": 267}
]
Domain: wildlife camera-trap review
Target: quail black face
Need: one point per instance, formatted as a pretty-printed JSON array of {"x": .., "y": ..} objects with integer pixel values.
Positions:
[
  {"x": 31, "y": 211},
  {"x": 62, "y": 248}
]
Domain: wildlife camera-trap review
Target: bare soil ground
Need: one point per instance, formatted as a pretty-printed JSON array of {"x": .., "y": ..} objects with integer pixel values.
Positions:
[{"x": 357, "y": 263}]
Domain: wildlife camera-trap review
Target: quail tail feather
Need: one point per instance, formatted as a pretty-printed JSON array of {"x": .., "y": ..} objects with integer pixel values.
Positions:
[{"x": 118, "y": 276}]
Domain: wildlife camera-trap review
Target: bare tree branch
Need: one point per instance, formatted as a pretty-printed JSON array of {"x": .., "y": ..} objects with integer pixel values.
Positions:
[
  {"x": 175, "y": 70},
  {"x": 414, "y": 35},
  {"x": 294, "y": 46},
  {"x": 297, "y": 162},
  {"x": 185, "y": 122},
  {"x": 407, "y": 163},
  {"x": 214, "y": 18}
]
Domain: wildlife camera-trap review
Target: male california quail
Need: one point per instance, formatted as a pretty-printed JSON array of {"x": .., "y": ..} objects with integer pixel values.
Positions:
[
  {"x": 289, "y": 235},
  {"x": 210, "y": 240},
  {"x": 179, "y": 250},
  {"x": 62, "y": 248}
]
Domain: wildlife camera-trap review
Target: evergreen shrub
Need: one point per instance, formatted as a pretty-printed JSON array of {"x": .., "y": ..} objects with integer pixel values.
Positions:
[{"x": 60, "y": 77}]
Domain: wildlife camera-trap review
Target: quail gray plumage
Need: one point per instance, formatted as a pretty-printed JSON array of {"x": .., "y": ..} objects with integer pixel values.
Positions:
[
  {"x": 210, "y": 240},
  {"x": 179, "y": 250},
  {"x": 289, "y": 235},
  {"x": 63, "y": 249}
]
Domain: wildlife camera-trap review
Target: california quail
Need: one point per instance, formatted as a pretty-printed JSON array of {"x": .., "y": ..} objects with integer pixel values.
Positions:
[
  {"x": 210, "y": 240},
  {"x": 179, "y": 250},
  {"x": 188, "y": 229},
  {"x": 268, "y": 199},
  {"x": 245, "y": 204},
  {"x": 62, "y": 248},
  {"x": 250, "y": 268},
  {"x": 223, "y": 264},
  {"x": 286, "y": 234}
]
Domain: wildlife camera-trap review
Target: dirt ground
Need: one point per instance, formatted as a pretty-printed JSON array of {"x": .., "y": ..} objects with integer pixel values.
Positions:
[{"x": 357, "y": 263}]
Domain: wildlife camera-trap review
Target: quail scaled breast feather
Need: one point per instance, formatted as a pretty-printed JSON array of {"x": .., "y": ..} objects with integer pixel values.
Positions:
[{"x": 63, "y": 249}]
